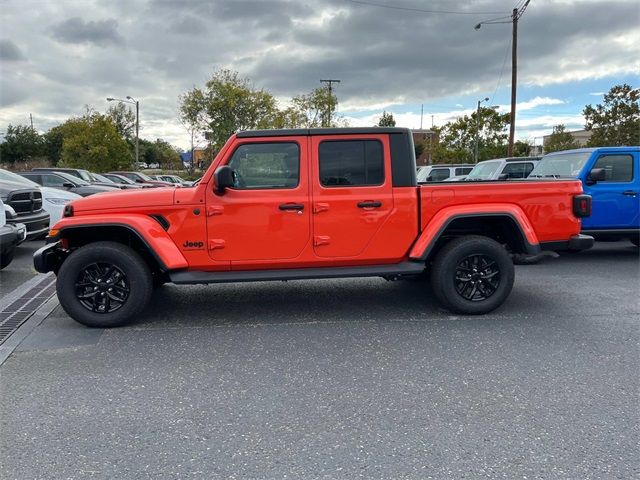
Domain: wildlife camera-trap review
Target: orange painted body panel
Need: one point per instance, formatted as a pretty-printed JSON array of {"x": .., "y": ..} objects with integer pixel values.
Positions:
[{"x": 246, "y": 229}]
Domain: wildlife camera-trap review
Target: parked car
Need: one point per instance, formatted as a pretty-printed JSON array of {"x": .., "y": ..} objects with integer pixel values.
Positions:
[
  {"x": 503, "y": 169},
  {"x": 611, "y": 175},
  {"x": 111, "y": 183},
  {"x": 139, "y": 177},
  {"x": 66, "y": 182},
  {"x": 457, "y": 178},
  {"x": 304, "y": 204},
  {"x": 23, "y": 205},
  {"x": 174, "y": 179},
  {"x": 80, "y": 173},
  {"x": 11, "y": 235},
  {"x": 439, "y": 173},
  {"x": 122, "y": 180},
  {"x": 53, "y": 200}
]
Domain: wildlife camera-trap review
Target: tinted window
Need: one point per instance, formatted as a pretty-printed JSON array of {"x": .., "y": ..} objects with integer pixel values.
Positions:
[
  {"x": 53, "y": 181},
  {"x": 618, "y": 168},
  {"x": 463, "y": 170},
  {"x": 518, "y": 170},
  {"x": 266, "y": 165},
  {"x": 438, "y": 174},
  {"x": 351, "y": 163}
]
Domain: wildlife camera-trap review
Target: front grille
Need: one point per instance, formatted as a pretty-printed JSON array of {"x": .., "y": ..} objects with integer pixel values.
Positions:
[{"x": 25, "y": 201}]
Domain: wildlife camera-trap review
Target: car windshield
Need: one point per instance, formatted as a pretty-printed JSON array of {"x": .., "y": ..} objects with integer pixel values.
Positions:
[
  {"x": 560, "y": 165},
  {"x": 483, "y": 171},
  {"x": 423, "y": 174},
  {"x": 86, "y": 176},
  {"x": 143, "y": 176},
  {"x": 120, "y": 179},
  {"x": 7, "y": 176},
  {"x": 102, "y": 178},
  {"x": 72, "y": 179}
]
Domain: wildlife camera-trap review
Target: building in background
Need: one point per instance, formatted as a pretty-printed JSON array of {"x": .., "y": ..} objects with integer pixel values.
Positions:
[
  {"x": 429, "y": 140},
  {"x": 581, "y": 136}
]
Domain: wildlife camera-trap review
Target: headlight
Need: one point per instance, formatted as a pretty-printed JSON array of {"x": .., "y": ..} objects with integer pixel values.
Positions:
[
  {"x": 57, "y": 201},
  {"x": 11, "y": 213}
]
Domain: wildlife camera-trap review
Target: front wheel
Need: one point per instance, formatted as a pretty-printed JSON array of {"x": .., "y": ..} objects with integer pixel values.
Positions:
[
  {"x": 472, "y": 275},
  {"x": 104, "y": 284}
]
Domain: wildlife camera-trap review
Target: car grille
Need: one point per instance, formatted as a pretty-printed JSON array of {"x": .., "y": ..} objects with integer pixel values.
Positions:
[{"x": 25, "y": 201}]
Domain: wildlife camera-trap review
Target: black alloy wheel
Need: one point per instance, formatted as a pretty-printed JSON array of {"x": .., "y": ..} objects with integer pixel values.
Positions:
[
  {"x": 102, "y": 287},
  {"x": 477, "y": 277}
]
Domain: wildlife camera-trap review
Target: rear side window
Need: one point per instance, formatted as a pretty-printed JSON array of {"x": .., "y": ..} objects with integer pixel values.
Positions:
[
  {"x": 53, "y": 181},
  {"x": 348, "y": 163},
  {"x": 266, "y": 165},
  {"x": 438, "y": 175},
  {"x": 463, "y": 170},
  {"x": 618, "y": 168},
  {"x": 518, "y": 170}
]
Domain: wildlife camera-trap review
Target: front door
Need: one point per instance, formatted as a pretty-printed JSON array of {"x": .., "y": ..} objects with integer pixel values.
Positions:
[
  {"x": 266, "y": 215},
  {"x": 352, "y": 192},
  {"x": 616, "y": 201}
]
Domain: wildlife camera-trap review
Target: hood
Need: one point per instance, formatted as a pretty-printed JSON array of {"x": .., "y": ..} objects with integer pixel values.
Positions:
[
  {"x": 48, "y": 192},
  {"x": 125, "y": 200},
  {"x": 7, "y": 187}
]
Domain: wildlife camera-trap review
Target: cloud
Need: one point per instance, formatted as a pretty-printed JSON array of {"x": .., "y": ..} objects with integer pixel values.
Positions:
[
  {"x": 9, "y": 52},
  {"x": 76, "y": 30}
]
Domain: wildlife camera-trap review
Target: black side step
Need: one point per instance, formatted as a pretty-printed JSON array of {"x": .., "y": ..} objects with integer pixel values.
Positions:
[{"x": 190, "y": 277}]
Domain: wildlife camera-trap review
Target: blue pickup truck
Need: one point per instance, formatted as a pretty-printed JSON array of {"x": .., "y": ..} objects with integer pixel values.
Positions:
[{"x": 611, "y": 175}]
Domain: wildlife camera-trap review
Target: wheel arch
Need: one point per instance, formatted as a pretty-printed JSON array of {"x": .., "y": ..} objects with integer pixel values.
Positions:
[{"x": 510, "y": 227}]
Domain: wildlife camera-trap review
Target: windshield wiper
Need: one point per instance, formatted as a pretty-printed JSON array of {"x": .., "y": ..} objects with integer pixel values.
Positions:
[{"x": 552, "y": 176}]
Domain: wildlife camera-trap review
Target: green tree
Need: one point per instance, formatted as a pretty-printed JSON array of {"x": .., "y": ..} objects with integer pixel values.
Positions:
[
  {"x": 457, "y": 138},
  {"x": 559, "y": 140},
  {"x": 124, "y": 120},
  {"x": 387, "y": 120},
  {"x": 316, "y": 109},
  {"x": 616, "y": 121},
  {"x": 160, "y": 152},
  {"x": 93, "y": 142},
  {"x": 21, "y": 142},
  {"x": 226, "y": 104}
]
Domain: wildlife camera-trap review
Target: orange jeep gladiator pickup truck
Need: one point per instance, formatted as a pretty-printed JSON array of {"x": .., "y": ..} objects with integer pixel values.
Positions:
[{"x": 302, "y": 204}]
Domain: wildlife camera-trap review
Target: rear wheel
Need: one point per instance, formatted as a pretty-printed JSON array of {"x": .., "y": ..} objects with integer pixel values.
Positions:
[
  {"x": 104, "y": 284},
  {"x": 472, "y": 275}
]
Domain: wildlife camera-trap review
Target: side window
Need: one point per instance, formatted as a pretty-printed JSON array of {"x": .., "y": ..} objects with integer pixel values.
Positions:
[
  {"x": 266, "y": 165},
  {"x": 517, "y": 170},
  {"x": 463, "y": 170},
  {"x": 345, "y": 163},
  {"x": 52, "y": 181},
  {"x": 439, "y": 174},
  {"x": 618, "y": 168}
]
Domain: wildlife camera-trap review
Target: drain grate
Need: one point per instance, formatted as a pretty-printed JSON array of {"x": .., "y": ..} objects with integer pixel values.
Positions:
[{"x": 18, "y": 311}]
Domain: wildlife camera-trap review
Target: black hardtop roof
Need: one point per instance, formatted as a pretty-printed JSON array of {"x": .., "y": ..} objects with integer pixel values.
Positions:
[{"x": 290, "y": 132}]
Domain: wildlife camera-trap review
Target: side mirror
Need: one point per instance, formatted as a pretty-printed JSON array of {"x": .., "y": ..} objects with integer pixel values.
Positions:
[
  {"x": 68, "y": 185},
  {"x": 138, "y": 180},
  {"x": 503, "y": 176},
  {"x": 223, "y": 177},
  {"x": 596, "y": 175},
  {"x": 429, "y": 178}
]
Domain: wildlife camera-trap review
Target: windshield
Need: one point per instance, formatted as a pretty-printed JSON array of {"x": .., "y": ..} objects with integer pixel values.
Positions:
[
  {"x": 7, "y": 176},
  {"x": 102, "y": 178},
  {"x": 484, "y": 171},
  {"x": 423, "y": 174},
  {"x": 85, "y": 175},
  {"x": 72, "y": 178},
  {"x": 143, "y": 176},
  {"x": 560, "y": 165}
]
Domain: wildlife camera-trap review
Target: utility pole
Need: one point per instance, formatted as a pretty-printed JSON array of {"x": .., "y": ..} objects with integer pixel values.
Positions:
[
  {"x": 475, "y": 147},
  {"x": 421, "y": 114},
  {"x": 31, "y": 118},
  {"x": 327, "y": 121},
  {"x": 514, "y": 17}
]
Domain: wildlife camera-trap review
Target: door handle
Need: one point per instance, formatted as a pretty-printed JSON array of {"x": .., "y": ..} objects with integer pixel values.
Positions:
[
  {"x": 369, "y": 204},
  {"x": 291, "y": 206},
  {"x": 630, "y": 193}
]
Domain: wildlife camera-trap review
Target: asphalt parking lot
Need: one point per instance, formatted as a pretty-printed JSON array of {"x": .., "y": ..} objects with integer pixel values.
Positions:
[{"x": 340, "y": 379}]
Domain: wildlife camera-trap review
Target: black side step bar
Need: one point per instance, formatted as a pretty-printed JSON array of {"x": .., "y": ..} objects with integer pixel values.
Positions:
[{"x": 190, "y": 277}]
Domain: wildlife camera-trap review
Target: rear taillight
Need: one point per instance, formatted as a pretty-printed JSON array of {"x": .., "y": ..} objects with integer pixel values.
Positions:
[{"x": 582, "y": 205}]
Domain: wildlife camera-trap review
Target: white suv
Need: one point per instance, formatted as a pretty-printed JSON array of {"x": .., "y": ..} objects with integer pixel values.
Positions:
[
  {"x": 440, "y": 173},
  {"x": 503, "y": 169}
]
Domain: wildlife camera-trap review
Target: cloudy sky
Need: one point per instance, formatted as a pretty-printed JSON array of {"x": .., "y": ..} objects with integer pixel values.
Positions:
[{"x": 56, "y": 56}]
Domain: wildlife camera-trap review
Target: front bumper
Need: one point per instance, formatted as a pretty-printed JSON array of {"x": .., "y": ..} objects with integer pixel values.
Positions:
[
  {"x": 576, "y": 243},
  {"x": 10, "y": 238},
  {"x": 49, "y": 258},
  {"x": 37, "y": 224}
]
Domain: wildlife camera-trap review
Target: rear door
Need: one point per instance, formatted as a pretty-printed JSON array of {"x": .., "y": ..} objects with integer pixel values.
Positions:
[
  {"x": 616, "y": 201},
  {"x": 352, "y": 192}
]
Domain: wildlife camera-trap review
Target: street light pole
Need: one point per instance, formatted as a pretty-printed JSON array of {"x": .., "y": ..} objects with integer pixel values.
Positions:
[
  {"x": 513, "y": 19},
  {"x": 135, "y": 102},
  {"x": 475, "y": 148}
]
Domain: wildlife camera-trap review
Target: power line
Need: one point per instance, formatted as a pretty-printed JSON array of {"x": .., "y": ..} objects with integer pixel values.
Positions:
[
  {"x": 420, "y": 10},
  {"x": 504, "y": 63}
]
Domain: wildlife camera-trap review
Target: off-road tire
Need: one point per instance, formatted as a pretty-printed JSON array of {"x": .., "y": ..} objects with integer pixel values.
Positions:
[
  {"x": 132, "y": 268},
  {"x": 458, "y": 252}
]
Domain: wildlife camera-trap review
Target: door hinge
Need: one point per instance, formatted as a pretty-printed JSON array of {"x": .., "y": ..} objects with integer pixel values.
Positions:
[
  {"x": 320, "y": 207},
  {"x": 216, "y": 243},
  {"x": 321, "y": 240},
  {"x": 215, "y": 210}
]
